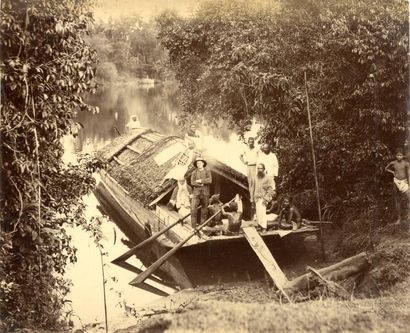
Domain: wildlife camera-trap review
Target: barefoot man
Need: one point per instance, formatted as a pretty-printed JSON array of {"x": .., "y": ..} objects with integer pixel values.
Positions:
[{"x": 399, "y": 168}]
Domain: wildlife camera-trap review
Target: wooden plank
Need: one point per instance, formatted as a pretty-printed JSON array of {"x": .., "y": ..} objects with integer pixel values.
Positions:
[
  {"x": 135, "y": 150},
  {"x": 146, "y": 137},
  {"x": 161, "y": 196},
  {"x": 265, "y": 256},
  {"x": 118, "y": 160}
]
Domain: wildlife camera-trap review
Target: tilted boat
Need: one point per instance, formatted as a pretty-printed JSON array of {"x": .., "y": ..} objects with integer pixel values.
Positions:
[{"x": 133, "y": 192}]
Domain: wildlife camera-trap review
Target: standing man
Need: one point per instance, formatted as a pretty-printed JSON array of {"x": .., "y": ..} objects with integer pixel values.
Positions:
[
  {"x": 270, "y": 161},
  {"x": 400, "y": 169},
  {"x": 250, "y": 157},
  {"x": 201, "y": 180},
  {"x": 263, "y": 195}
]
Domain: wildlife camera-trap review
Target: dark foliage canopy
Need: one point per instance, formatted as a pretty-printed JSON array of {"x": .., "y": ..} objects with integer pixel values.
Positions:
[
  {"x": 46, "y": 66},
  {"x": 246, "y": 60}
]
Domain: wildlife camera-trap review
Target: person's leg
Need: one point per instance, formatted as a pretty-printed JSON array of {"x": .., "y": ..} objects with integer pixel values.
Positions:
[
  {"x": 397, "y": 203},
  {"x": 204, "y": 200},
  {"x": 194, "y": 210},
  {"x": 263, "y": 218},
  {"x": 408, "y": 205},
  {"x": 251, "y": 182},
  {"x": 261, "y": 213}
]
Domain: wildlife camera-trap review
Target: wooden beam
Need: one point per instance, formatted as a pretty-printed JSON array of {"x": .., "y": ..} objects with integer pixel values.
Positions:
[
  {"x": 135, "y": 150},
  {"x": 265, "y": 256},
  {"x": 118, "y": 160},
  {"x": 161, "y": 196},
  {"x": 148, "y": 138}
]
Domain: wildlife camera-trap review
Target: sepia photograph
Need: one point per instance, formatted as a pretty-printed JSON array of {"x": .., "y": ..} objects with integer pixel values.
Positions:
[{"x": 232, "y": 166}]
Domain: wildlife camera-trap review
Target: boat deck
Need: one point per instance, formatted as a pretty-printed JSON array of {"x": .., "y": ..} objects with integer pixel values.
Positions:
[{"x": 183, "y": 230}]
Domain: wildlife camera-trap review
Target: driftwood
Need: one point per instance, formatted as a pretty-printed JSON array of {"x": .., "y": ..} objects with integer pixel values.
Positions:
[{"x": 337, "y": 272}]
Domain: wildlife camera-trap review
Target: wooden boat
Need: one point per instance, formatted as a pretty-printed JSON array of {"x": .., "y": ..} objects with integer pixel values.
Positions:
[{"x": 133, "y": 192}]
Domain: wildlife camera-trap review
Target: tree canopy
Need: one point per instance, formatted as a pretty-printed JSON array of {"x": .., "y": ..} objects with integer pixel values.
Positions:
[
  {"x": 246, "y": 60},
  {"x": 46, "y": 66}
]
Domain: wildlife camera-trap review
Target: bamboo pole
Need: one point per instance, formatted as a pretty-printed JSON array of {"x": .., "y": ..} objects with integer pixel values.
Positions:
[{"x": 315, "y": 169}]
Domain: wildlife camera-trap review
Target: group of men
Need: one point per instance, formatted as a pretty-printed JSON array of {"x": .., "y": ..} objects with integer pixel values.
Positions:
[{"x": 262, "y": 168}]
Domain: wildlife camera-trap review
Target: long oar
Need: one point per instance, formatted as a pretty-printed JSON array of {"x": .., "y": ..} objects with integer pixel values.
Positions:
[
  {"x": 153, "y": 237},
  {"x": 151, "y": 269}
]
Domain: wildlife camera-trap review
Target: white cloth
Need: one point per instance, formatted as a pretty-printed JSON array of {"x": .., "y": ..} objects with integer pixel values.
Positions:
[
  {"x": 271, "y": 217},
  {"x": 251, "y": 155},
  {"x": 261, "y": 213},
  {"x": 271, "y": 163},
  {"x": 182, "y": 199},
  {"x": 133, "y": 123},
  {"x": 402, "y": 184}
]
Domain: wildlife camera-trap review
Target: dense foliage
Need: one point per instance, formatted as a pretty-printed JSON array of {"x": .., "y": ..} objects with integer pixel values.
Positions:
[
  {"x": 127, "y": 49},
  {"x": 46, "y": 66},
  {"x": 244, "y": 60}
]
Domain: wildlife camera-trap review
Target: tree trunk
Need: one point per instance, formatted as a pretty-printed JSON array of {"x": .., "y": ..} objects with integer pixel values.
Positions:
[{"x": 340, "y": 271}]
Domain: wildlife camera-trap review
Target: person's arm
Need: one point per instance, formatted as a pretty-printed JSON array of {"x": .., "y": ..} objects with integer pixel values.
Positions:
[
  {"x": 242, "y": 159},
  {"x": 223, "y": 211},
  {"x": 280, "y": 217},
  {"x": 275, "y": 165},
  {"x": 269, "y": 190},
  {"x": 290, "y": 216},
  {"x": 298, "y": 217},
  {"x": 194, "y": 181},
  {"x": 208, "y": 179},
  {"x": 408, "y": 171},
  {"x": 387, "y": 168}
]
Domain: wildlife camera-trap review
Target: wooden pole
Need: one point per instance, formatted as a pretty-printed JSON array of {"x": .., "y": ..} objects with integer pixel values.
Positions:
[
  {"x": 105, "y": 299},
  {"x": 315, "y": 170},
  {"x": 149, "y": 240}
]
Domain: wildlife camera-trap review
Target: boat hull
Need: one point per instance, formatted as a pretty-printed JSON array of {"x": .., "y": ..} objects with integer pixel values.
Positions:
[{"x": 205, "y": 262}]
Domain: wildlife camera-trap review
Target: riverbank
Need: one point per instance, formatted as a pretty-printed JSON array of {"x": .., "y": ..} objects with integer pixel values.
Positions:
[{"x": 253, "y": 307}]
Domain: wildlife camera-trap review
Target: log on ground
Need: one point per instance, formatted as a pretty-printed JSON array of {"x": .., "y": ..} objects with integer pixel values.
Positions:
[{"x": 337, "y": 272}]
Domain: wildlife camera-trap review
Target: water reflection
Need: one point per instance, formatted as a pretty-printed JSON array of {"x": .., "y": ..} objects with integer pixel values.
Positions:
[{"x": 156, "y": 108}]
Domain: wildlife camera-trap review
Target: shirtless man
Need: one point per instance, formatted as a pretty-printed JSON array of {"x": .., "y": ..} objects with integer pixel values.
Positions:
[
  {"x": 234, "y": 219},
  {"x": 290, "y": 215},
  {"x": 399, "y": 168}
]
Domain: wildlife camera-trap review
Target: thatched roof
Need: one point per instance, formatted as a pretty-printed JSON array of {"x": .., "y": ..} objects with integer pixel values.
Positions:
[{"x": 135, "y": 168}]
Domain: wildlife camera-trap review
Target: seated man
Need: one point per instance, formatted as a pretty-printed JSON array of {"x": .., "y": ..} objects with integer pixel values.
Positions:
[
  {"x": 181, "y": 197},
  {"x": 215, "y": 205},
  {"x": 272, "y": 209},
  {"x": 234, "y": 222},
  {"x": 289, "y": 216}
]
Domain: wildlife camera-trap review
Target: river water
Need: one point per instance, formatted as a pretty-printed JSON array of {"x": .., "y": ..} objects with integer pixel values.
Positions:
[{"x": 156, "y": 107}]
